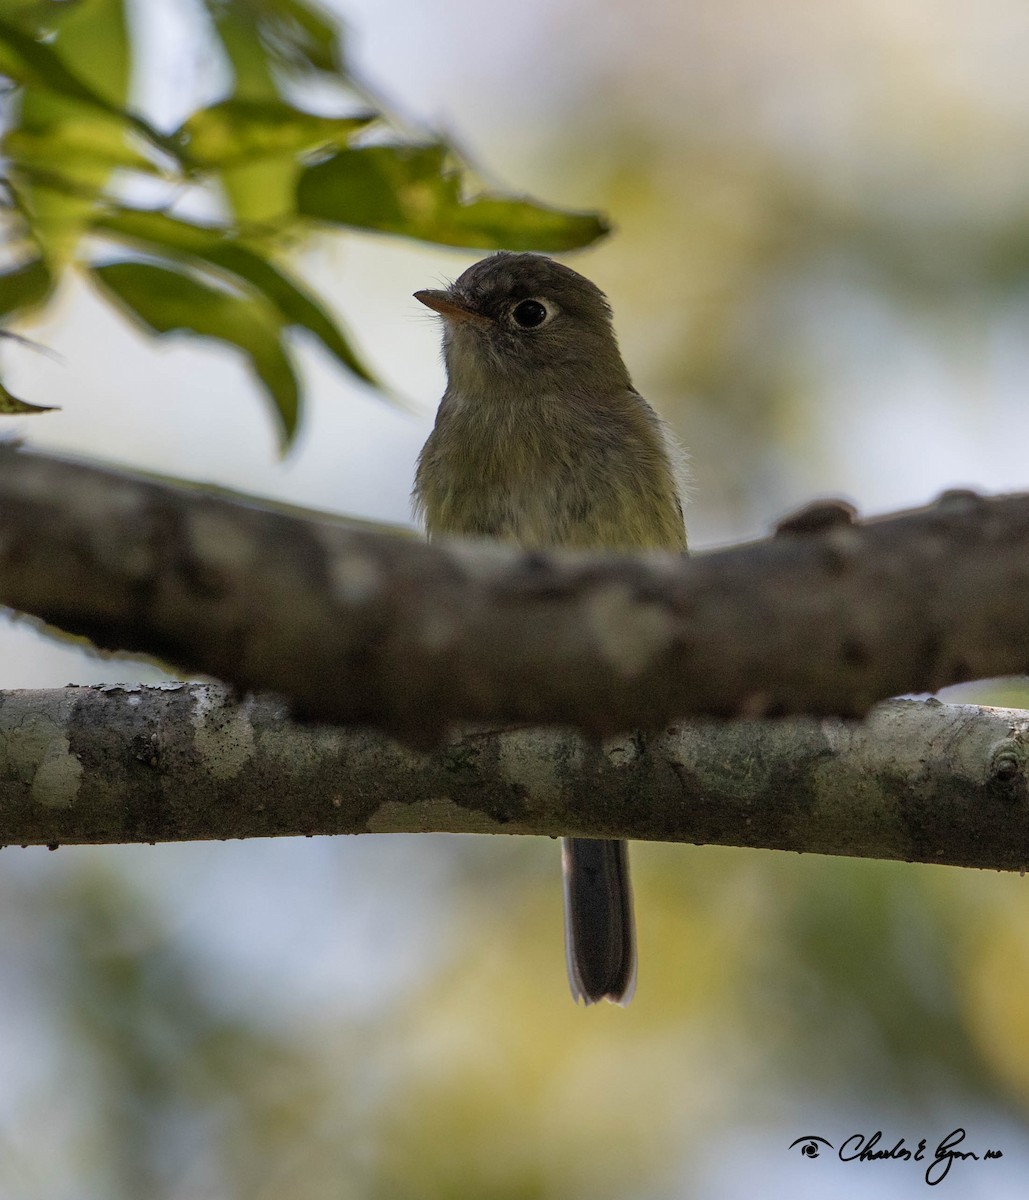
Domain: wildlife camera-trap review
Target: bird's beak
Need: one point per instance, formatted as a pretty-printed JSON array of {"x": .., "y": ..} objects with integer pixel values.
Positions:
[{"x": 451, "y": 307}]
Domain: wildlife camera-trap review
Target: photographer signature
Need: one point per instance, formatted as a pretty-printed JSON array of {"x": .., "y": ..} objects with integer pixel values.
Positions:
[{"x": 861, "y": 1148}]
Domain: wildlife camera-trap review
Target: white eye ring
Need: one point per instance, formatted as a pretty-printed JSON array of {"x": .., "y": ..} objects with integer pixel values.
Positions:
[{"x": 531, "y": 313}]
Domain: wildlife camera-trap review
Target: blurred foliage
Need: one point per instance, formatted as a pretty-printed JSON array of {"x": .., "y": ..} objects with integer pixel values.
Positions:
[
  {"x": 75, "y": 154},
  {"x": 176, "y": 1090},
  {"x": 770, "y": 983}
]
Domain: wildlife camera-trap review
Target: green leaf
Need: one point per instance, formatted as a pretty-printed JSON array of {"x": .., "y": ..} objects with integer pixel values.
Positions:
[
  {"x": 408, "y": 190},
  {"x": 290, "y": 34},
  {"x": 301, "y": 35},
  {"x": 10, "y": 405},
  {"x": 259, "y": 192},
  {"x": 34, "y": 64},
  {"x": 241, "y": 130},
  {"x": 297, "y": 306},
  {"x": 62, "y": 150},
  {"x": 61, "y": 171},
  {"x": 262, "y": 38},
  {"x": 93, "y": 41},
  {"x": 24, "y": 287},
  {"x": 236, "y": 27},
  {"x": 154, "y": 231},
  {"x": 162, "y": 301},
  {"x": 82, "y": 148}
]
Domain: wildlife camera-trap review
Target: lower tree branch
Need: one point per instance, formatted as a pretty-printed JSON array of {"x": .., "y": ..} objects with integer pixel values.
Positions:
[
  {"x": 827, "y": 617},
  {"x": 917, "y": 781}
]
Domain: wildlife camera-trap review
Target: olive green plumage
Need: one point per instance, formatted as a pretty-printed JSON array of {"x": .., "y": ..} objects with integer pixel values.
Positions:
[{"x": 542, "y": 440}]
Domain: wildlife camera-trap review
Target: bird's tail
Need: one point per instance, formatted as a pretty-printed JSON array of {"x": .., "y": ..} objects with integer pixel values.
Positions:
[{"x": 600, "y": 936}]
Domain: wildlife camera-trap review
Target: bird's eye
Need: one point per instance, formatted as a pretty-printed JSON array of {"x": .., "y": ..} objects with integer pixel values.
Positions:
[{"x": 530, "y": 313}]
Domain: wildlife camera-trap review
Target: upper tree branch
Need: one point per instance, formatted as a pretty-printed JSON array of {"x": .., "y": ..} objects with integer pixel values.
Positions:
[{"x": 827, "y": 617}]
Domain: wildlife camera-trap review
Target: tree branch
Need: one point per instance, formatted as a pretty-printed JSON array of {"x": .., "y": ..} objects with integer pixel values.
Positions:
[
  {"x": 918, "y": 780},
  {"x": 827, "y": 617}
]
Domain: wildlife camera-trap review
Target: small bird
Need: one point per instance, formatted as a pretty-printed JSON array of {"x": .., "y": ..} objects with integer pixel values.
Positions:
[{"x": 542, "y": 440}]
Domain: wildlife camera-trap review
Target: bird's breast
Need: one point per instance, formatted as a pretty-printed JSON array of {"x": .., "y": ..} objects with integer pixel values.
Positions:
[{"x": 560, "y": 475}]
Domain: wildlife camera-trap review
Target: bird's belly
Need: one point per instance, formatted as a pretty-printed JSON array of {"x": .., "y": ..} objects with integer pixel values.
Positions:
[{"x": 545, "y": 509}]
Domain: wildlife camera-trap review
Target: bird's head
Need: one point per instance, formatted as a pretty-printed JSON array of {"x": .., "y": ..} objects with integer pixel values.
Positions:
[{"x": 518, "y": 320}]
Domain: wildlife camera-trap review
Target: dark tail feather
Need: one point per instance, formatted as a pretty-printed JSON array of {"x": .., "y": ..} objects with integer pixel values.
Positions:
[{"x": 600, "y": 937}]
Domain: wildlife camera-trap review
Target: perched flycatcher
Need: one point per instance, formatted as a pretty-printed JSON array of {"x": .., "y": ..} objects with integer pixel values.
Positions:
[{"x": 542, "y": 440}]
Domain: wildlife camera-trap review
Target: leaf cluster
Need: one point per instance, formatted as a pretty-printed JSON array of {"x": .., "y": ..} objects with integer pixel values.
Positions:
[{"x": 87, "y": 183}]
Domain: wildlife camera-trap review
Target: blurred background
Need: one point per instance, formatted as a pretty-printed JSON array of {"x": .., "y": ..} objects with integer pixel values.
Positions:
[{"x": 820, "y": 276}]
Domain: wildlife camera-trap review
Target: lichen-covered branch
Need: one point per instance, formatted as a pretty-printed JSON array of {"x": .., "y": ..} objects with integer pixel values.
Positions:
[
  {"x": 917, "y": 780},
  {"x": 827, "y": 617}
]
